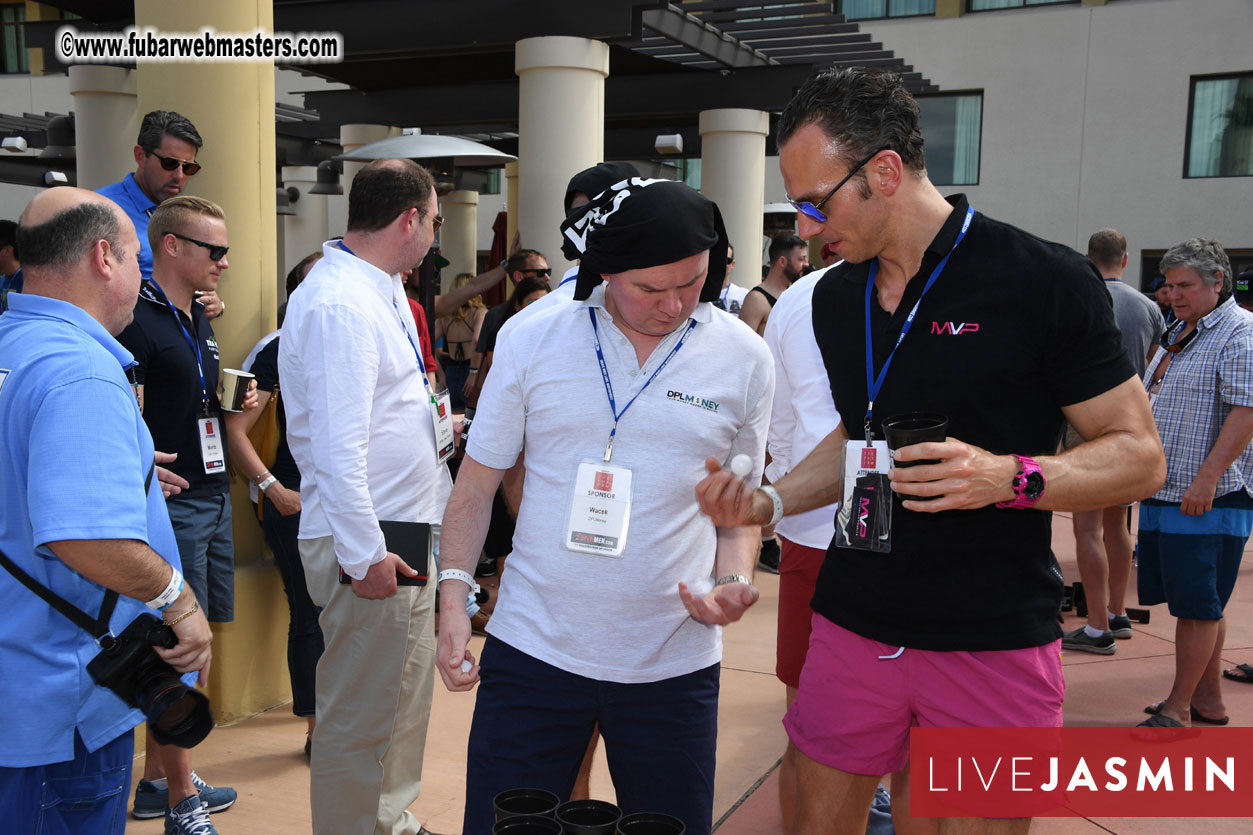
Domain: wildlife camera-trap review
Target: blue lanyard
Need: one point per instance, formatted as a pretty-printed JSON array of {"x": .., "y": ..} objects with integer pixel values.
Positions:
[
  {"x": 409, "y": 336},
  {"x": 873, "y": 384},
  {"x": 195, "y": 344},
  {"x": 604, "y": 373}
]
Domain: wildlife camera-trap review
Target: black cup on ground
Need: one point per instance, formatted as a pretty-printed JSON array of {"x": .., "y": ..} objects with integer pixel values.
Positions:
[
  {"x": 650, "y": 823},
  {"x": 588, "y": 817},
  {"x": 527, "y": 825},
  {"x": 914, "y": 428},
  {"x": 515, "y": 802}
]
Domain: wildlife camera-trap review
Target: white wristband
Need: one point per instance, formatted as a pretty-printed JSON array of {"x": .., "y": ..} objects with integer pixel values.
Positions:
[
  {"x": 778, "y": 503},
  {"x": 457, "y": 574},
  {"x": 266, "y": 482},
  {"x": 171, "y": 593}
]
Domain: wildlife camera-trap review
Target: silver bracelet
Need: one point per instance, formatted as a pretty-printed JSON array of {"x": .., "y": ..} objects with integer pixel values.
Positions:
[
  {"x": 733, "y": 578},
  {"x": 777, "y": 500}
]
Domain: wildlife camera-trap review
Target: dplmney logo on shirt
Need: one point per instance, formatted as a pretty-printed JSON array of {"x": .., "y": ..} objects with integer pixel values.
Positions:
[{"x": 693, "y": 400}]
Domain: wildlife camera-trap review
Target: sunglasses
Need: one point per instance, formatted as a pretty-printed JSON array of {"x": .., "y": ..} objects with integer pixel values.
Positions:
[
  {"x": 545, "y": 272},
  {"x": 815, "y": 211},
  {"x": 216, "y": 253},
  {"x": 437, "y": 222},
  {"x": 170, "y": 163}
]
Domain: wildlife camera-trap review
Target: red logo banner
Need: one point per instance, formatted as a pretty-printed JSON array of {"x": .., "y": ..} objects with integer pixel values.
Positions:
[
  {"x": 603, "y": 482},
  {"x": 1088, "y": 772}
]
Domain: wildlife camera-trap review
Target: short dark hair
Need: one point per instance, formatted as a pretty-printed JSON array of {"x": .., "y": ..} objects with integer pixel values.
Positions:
[
  {"x": 384, "y": 189},
  {"x": 8, "y": 233},
  {"x": 1106, "y": 248},
  {"x": 862, "y": 110},
  {"x": 65, "y": 237},
  {"x": 526, "y": 287},
  {"x": 162, "y": 123},
  {"x": 783, "y": 245},
  {"x": 518, "y": 260},
  {"x": 297, "y": 273}
]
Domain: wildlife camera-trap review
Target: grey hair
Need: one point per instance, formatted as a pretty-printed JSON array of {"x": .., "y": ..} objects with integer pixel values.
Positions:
[{"x": 1207, "y": 258}]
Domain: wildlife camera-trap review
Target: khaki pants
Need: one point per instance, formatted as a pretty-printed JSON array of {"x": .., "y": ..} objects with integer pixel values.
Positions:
[{"x": 374, "y": 687}]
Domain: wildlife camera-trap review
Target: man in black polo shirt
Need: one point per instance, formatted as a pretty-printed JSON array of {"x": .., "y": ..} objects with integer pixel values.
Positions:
[
  {"x": 1005, "y": 334},
  {"x": 177, "y": 355}
]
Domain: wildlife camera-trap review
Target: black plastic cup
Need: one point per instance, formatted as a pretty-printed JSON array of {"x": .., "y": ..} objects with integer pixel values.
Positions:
[
  {"x": 516, "y": 802},
  {"x": 527, "y": 825},
  {"x": 915, "y": 428},
  {"x": 588, "y": 817},
  {"x": 650, "y": 823}
]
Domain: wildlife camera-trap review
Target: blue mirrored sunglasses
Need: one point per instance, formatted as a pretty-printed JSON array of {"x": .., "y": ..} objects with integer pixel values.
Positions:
[{"x": 815, "y": 211}]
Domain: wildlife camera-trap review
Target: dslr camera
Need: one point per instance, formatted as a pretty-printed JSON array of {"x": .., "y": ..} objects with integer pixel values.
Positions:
[{"x": 129, "y": 666}]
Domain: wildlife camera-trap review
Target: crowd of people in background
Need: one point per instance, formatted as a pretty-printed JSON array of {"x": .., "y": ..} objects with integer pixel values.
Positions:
[{"x": 613, "y": 452}]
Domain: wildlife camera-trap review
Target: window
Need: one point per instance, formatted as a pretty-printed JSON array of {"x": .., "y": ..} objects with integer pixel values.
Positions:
[
  {"x": 13, "y": 39},
  {"x": 1220, "y": 127},
  {"x": 867, "y": 9},
  {"x": 952, "y": 126},
  {"x": 988, "y": 5}
]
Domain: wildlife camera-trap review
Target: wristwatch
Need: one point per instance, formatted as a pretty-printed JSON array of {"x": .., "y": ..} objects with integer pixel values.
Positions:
[{"x": 1028, "y": 484}]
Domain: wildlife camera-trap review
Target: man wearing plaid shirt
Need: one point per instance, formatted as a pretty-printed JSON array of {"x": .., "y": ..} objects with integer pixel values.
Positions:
[{"x": 1193, "y": 531}]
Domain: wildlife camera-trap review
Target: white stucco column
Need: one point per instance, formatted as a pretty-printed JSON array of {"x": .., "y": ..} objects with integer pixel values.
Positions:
[
  {"x": 106, "y": 122},
  {"x": 458, "y": 237},
  {"x": 511, "y": 204},
  {"x": 561, "y": 131},
  {"x": 304, "y": 231},
  {"x": 732, "y": 174}
]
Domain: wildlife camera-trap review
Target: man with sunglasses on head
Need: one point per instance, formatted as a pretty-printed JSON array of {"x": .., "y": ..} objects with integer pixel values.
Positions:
[
  {"x": 165, "y": 156},
  {"x": 939, "y": 309},
  {"x": 177, "y": 373}
]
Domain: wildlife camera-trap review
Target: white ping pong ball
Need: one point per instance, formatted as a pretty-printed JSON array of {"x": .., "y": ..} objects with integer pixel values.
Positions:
[
  {"x": 741, "y": 465},
  {"x": 466, "y": 666}
]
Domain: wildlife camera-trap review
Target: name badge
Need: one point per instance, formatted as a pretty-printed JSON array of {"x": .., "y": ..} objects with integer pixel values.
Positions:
[
  {"x": 864, "y": 520},
  {"x": 441, "y": 419},
  {"x": 212, "y": 451},
  {"x": 600, "y": 509}
]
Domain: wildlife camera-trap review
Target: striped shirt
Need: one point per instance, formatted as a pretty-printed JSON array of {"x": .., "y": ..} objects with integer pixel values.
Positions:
[{"x": 1200, "y": 387}]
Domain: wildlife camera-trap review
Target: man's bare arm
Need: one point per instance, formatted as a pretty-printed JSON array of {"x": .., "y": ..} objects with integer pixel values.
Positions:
[
  {"x": 447, "y": 303},
  {"x": 754, "y": 310},
  {"x": 1233, "y": 440}
]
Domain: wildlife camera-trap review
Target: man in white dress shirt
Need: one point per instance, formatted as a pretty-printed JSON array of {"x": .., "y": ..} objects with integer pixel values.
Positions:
[{"x": 360, "y": 428}]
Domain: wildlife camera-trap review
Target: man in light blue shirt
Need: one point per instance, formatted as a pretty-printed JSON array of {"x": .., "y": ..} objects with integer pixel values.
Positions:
[{"x": 77, "y": 518}]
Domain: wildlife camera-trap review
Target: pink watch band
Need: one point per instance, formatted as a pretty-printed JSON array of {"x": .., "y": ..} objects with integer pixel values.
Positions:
[{"x": 1028, "y": 485}]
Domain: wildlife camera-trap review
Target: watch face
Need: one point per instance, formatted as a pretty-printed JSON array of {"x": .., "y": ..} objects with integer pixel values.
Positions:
[{"x": 1034, "y": 487}]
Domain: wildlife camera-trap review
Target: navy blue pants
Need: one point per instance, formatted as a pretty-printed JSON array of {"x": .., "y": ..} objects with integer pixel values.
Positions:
[
  {"x": 86, "y": 795},
  {"x": 532, "y": 723},
  {"x": 304, "y": 636}
]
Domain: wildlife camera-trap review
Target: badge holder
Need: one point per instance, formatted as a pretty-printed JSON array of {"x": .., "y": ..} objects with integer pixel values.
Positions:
[
  {"x": 212, "y": 448},
  {"x": 441, "y": 419},
  {"x": 600, "y": 510},
  {"x": 864, "y": 521}
]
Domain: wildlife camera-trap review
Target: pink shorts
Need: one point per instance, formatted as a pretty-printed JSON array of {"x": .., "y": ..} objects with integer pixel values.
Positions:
[
  {"x": 798, "y": 574},
  {"x": 855, "y": 709}
]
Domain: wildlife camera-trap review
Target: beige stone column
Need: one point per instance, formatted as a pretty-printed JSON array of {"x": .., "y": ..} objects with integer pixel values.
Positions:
[
  {"x": 732, "y": 174},
  {"x": 232, "y": 106},
  {"x": 106, "y": 122},
  {"x": 304, "y": 231},
  {"x": 511, "y": 205},
  {"x": 561, "y": 131},
  {"x": 458, "y": 237}
]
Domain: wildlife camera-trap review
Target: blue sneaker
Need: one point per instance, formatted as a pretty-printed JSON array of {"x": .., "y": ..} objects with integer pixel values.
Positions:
[
  {"x": 151, "y": 801},
  {"x": 189, "y": 818}
]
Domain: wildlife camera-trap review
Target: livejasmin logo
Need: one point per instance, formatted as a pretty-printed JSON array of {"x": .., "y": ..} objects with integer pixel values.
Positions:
[
  {"x": 1092, "y": 772},
  {"x": 693, "y": 400}
]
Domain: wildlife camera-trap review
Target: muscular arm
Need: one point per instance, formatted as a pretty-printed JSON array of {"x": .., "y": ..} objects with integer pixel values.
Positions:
[
  {"x": 466, "y": 519},
  {"x": 1121, "y": 461},
  {"x": 754, "y": 310}
]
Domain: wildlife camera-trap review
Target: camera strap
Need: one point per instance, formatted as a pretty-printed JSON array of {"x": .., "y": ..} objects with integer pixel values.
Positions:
[{"x": 97, "y": 628}]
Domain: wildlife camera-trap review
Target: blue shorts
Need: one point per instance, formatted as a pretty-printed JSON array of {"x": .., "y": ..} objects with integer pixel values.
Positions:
[
  {"x": 1191, "y": 562},
  {"x": 87, "y": 794},
  {"x": 532, "y": 723},
  {"x": 206, "y": 548}
]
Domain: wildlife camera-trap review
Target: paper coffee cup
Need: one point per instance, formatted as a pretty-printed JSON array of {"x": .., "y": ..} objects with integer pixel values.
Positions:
[{"x": 234, "y": 389}]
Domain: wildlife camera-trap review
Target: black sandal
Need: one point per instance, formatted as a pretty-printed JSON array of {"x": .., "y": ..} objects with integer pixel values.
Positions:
[{"x": 1242, "y": 673}]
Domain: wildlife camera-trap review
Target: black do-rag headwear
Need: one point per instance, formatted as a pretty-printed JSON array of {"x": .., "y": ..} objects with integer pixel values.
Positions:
[
  {"x": 592, "y": 181},
  {"x": 639, "y": 223}
]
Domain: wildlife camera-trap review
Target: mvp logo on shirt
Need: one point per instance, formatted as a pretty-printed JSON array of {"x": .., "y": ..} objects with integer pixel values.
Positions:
[{"x": 693, "y": 400}]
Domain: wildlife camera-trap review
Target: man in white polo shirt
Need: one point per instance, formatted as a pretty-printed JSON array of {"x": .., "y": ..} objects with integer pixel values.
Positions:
[{"x": 610, "y": 612}]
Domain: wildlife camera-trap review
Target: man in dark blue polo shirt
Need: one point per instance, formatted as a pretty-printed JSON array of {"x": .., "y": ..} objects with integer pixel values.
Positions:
[
  {"x": 177, "y": 356},
  {"x": 937, "y": 308}
]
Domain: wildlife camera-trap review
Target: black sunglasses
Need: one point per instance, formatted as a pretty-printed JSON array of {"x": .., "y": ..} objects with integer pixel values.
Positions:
[
  {"x": 546, "y": 271},
  {"x": 815, "y": 211},
  {"x": 170, "y": 163},
  {"x": 216, "y": 253}
]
